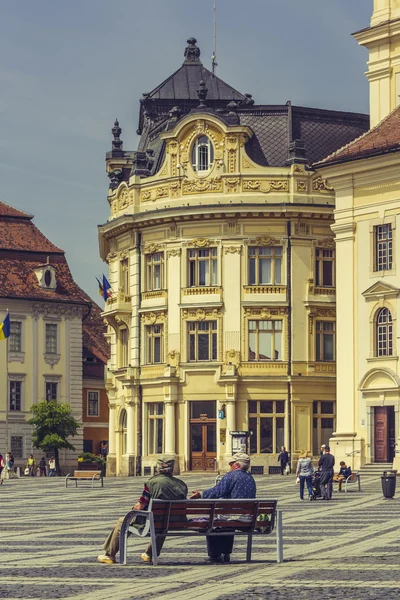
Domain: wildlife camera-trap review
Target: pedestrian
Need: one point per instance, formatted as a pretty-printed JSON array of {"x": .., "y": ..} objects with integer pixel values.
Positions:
[
  {"x": 42, "y": 467},
  {"x": 9, "y": 461},
  {"x": 237, "y": 483},
  {"x": 162, "y": 486},
  {"x": 322, "y": 450},
  {"x": 31, "y": 465},
  {"x": 304, "y": 472},
  {"x": 52, "y": 466},
  {"x": 326, "y": 464},
  {"x": 283, "y": 459},
  {"x": 1, "y": 468}
]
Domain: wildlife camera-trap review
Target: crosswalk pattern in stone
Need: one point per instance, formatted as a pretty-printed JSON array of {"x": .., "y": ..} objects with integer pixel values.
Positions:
[{"x": 50, "y": 538}]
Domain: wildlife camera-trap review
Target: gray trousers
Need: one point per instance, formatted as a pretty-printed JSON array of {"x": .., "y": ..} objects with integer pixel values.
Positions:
[{"x": 111, "y": 545}]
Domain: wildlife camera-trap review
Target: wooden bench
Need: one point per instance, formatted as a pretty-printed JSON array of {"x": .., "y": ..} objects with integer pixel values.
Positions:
[
  {"x": 353, "y": 478},
  {"x": 202, "y": 517},
  {"x": 85, "y": 476}
]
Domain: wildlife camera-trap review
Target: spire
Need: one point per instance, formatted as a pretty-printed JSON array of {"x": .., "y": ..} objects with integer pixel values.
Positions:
[
  {"x": 202, "y": 92},
  {"x": 192, "y": 53},
  {"x": 116, "y": 131}
]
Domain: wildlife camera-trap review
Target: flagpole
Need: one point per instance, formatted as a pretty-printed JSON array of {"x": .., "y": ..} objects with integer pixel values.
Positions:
[{"x": 7, "y": 396}]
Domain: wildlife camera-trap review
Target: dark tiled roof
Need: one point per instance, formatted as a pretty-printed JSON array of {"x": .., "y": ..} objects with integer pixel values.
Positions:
[{"x": 383, "y": 138}]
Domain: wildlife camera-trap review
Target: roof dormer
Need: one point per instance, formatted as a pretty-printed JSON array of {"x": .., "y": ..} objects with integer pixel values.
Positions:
[{"x": 46, "y": 275}]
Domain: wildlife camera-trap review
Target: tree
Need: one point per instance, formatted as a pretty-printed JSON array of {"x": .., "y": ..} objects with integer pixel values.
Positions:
[{"x": 53, "y": 424}]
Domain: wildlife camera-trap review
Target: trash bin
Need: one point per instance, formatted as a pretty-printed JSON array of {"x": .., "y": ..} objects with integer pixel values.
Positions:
[{"x": 388, "y": 483}]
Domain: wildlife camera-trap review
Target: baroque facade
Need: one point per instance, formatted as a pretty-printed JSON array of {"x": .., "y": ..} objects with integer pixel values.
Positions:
[
  {"x": 222, "y": 264},
  {"x": 365, "y": 176},
  {"x": 52, "y": 323}
]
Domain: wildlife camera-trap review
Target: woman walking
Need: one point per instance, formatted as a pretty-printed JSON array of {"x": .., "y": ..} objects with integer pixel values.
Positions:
[{"x": 304, "y": 472}]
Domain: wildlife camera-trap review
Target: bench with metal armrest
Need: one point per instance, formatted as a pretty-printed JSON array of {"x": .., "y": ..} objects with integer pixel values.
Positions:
[
  {"x": 204, "y": 517},
  {"x": 85, "y": 476}
]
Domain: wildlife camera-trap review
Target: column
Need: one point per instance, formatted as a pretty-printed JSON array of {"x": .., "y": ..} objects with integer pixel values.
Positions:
[
  {"x": 230, "y": 421},
  {"x": 111, "y": 431},
  {"x": 169, "y": 427}
]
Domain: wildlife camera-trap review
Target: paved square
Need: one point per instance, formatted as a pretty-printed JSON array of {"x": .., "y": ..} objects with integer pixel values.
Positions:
[{"x": 50, "y": 538}]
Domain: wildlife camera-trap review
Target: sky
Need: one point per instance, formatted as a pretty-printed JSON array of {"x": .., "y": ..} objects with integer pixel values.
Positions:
[{"x": 68, "y": 69}]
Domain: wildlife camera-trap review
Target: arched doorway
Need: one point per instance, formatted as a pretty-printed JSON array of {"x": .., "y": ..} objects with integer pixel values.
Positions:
[{"x": 122, "y": 438}]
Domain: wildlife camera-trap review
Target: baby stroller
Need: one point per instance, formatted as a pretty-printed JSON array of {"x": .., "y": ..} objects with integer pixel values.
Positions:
[{"x": 316, "y": 487}]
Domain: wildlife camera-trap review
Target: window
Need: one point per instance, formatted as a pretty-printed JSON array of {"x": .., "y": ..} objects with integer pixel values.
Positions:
[
  {"x": 384, "y": 333},
  {"x": 266, "y": 426},
  {"x": 265, "y": 340},
  {"x": 15, "y": 341},
  {"x": 124, "y": 348},
  {"x": 155, "y": 428},
  {"x": 203, "y": 267},
  {"x": 124, "y": 276},
  {"x": 51, "y": 338},
  {"x": 202, "y": 340},
  {"x": 15, "y": 388},
  {"x": 17, "y": 446},
  {"x": 93, "y": 404},
  {"x": 154, "y": 344},
  {"x": 325, "y": 341},
  {"x": 383, "y": 247},
  {"x": 202, "y": 154},
  {"x": 154, "y": 271},
  {"x": 265, "y": 265},
  {"x": 323, "y": 423},
  {"x": 324, "y": 267},
  {"x": 51, "y": 390}
]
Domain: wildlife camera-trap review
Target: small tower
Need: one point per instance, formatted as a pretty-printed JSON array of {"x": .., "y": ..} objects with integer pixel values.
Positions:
[{"x": 384, "y": 58}]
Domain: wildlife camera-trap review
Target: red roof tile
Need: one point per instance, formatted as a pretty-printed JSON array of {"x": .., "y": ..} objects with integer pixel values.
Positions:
[
  {"x": 9, "y": 211},
  {"x": 22, "y": 234},
  {"x": 383, "y": 138}
]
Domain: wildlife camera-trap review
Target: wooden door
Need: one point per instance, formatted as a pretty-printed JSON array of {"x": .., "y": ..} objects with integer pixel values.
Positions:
[
  {"x": 203, "y": 446},
  {"x": 381, "y": 434}
]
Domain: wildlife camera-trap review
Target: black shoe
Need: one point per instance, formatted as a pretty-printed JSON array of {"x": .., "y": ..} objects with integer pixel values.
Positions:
[
  {"x": 215, "y": 559},
  {"x": 227, "y": 558}
]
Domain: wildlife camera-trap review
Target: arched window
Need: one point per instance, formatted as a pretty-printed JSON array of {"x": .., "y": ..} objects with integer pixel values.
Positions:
[
  {"x": 384, "y": 333},
  {"x": 124, "y": 431},
  {"x": 202, "y": 154}
]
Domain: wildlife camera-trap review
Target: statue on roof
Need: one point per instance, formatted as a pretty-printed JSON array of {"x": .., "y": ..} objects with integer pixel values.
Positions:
[{"x": 192, "y": 52}]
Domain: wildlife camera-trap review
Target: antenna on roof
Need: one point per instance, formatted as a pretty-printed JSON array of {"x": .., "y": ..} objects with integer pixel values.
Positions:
[{"x": 214, "y": 54}]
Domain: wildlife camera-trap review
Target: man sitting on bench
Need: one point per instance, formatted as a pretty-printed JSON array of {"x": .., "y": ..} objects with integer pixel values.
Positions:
[
  {"x": 237, "y": 483},
  {"x": 162, "y": 486},
  {"x": 343, "y": 474}
]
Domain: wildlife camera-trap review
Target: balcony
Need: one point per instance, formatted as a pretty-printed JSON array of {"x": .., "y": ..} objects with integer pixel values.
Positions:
[
  {"x": 264, "y": 289},
  {"x": 260, "y": 368}
]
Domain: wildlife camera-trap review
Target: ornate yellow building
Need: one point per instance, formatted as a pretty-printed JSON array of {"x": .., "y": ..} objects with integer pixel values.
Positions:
[
  {"x": 221, "y": 260},
  {"x": 365, "y": 176}
]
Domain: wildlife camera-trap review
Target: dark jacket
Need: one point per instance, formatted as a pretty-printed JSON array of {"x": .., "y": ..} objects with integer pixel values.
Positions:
[
  {"x": 283, "y": 458},
  {"x": 326, "y": 462}
]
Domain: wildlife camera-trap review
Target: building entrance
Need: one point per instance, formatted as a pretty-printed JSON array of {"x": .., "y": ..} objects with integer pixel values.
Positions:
[
  {"x": 384, "y": 434},
  {"x": 203, "y": 435}
]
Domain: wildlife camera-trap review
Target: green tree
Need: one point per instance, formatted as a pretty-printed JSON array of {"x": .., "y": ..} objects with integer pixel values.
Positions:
[{"x": 53, "y": 424}]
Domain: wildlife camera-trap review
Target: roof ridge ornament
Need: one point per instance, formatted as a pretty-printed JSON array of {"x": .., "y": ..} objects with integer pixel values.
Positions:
[
  {"x": 192, "y": 53},
  {"x": 202, "y": 92},
  {"x": 116, "y": 131}
]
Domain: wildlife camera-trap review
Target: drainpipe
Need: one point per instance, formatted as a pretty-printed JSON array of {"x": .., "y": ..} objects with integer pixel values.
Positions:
[{"x": 289, "y": 301}]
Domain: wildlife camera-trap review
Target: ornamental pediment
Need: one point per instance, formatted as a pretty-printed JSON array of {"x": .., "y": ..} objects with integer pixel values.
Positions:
[{"x": 381, "y": 290}]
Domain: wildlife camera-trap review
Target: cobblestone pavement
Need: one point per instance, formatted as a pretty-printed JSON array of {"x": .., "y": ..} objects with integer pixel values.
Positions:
[{"x": 50, "y": 538}]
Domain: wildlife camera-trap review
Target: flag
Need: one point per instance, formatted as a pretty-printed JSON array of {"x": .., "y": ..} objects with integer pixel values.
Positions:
[
  {"x": 5, "y": 328},
  {"x": 101, "y": 289},
  {"x": 107, "y": 291}
]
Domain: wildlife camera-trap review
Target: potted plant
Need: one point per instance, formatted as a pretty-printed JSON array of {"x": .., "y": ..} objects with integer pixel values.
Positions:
[{"x": 89, "y": 462}]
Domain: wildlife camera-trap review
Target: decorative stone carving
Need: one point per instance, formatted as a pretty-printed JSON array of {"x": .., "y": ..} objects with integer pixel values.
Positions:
[
  {"x": 52, "y": 359},
  {"x": 152, "y": 248},
  {"x": 150, "y": 318},
  {"x": 231, "y": 184},
  {"x": 174, "y": 252},
  {"x": 199, "y": 186},
  {"x": 123, "y": 199},
  {"x": 16, "y": 357},
  {"x": 146, "y": 195},
  {"x": 199, "y": 314},
  {"x": 251, "y": 185},
  {"x": 162, "y": 192},
  {"x": 232, "y": 357},
  {"x": 281, "y": 185},
  {"x": 200, "y": 127},
  {"x": 233, "y": 249},
  {"x": 245, "y": 164},
  {"x": 320, "y": 185},
  {"x": 164, "y": 171},
  {"x": 174, "y": 188},
  {"x": 265, "y": 312},
  {"x": 254, "y": 185},
  {"x": 266, "y": 241},
  {"x": 200, "y": 243},
  {"x": 173, "y": 358},
  {"x": 301, "y": 186},
  {"x": 325, "y": 243},
  {"x": 57, "y": 311}
]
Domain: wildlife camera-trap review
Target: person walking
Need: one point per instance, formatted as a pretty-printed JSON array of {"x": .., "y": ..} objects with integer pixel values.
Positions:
[
  {"x": 52, "y": 466},
  {"x": 1, "y": 468},
  {"x": 237, "y": 483},
  {"x": 304, "y": 472},
  {"x": 31, "y": 465},
  {"x": 326, "y": 464},
  {"x": 9, "y": 461},
  {"x": 42, "y": 467},
  {"x": 283, "y": 460},
  {"x": 162, "y": 486}
]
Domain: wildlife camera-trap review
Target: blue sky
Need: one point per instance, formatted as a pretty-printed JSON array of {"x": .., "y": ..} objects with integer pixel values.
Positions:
[{"x": 69, "y": 68}]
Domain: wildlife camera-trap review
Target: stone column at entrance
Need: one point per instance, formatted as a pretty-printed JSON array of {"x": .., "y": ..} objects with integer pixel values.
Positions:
[
  {"x": 170, "y": 427},
  {"x": 111, "y": 457},
  {"x": 130, "y": 427}
]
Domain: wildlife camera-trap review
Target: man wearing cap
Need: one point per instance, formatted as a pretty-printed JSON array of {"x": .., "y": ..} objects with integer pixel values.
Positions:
[
  {"x": 162, "y": 486},
  {"x": 326, "y": 464},
  {"x": 237, "y": 483}
]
